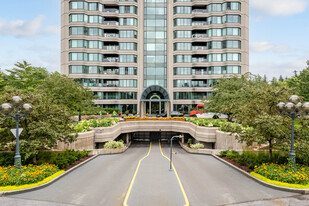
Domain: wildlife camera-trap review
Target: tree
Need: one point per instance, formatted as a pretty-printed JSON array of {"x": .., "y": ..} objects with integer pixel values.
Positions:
[
  {"x": 252, "y": 102},
  {"x": 300, "y": 83},
  {"x": 3, "y": 81},
  {"x": 47, "y": 124},
  {"x": 65, "y": 91},
  {"x": 26, "y": 77}
]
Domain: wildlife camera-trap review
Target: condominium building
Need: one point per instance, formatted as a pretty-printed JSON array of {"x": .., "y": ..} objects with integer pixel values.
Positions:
[{"x": 153, "y": 56}]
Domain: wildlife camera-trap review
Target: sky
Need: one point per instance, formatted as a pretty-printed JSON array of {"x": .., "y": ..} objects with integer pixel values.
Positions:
[{"x": 279, "y": 29}]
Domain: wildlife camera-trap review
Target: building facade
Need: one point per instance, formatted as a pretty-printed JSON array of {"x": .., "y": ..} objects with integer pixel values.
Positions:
[{"x": 153, "y": 56}]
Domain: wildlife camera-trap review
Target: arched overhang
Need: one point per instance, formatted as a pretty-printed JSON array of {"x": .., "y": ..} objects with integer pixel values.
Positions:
[{"x": 155, "y": 89}]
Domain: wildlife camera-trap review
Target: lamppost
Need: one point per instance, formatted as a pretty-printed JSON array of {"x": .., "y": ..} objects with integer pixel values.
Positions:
[
  {"x": 293, "y": 109},
  {"x": 7, "y": 108},
  {"x": 171, "y": 150}
]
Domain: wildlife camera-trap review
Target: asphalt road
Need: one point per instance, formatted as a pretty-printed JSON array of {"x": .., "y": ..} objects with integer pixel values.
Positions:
[
  {"x": 207, "y": 181},
  {"x": 106, "y": 180},
  {"x": 155, "y": 184},
  {"x": 102, "y": 181}
]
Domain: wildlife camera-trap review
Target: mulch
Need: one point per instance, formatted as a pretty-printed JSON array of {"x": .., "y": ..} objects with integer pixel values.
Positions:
[
  {"x": 233, "y": 162},
  {"x": 77, "y": 162}
]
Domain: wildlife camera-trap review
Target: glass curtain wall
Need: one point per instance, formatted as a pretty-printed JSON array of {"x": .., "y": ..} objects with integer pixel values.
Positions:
[{"x": 154, "y": 43}]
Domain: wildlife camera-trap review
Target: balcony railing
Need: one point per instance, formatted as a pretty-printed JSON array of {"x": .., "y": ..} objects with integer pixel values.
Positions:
[
  {"x": 111, "y": 35},
  {"x": 110, "y": 59},
  {"x": 199, "y": 47},
  {"x": 110, "y": 47},
  {"x": 196, "y": 60},
  {"x": 111, "y": 10},
  {"x": 110, "y": 23},
  {"x": 198, "y": 23},
  {"x": 199, "y": 11},
  {"x": 199, "y": 35}
]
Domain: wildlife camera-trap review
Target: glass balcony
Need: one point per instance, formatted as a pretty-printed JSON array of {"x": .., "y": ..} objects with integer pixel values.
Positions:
[
  {"x": 110, "y": 23},
  {"x": 198, "y": 60},
  {"x": 199, "y": 23},
  {"x": 199, "y": 35},
  {"x": 111, "y": 10},
  {"x": 110, "y": 59},
  {"x": 196, "y": 11},
  {"x": 111, "y": 35},
  {"x": 199, "y": 47},
  {"x": 110, "y": 47}
]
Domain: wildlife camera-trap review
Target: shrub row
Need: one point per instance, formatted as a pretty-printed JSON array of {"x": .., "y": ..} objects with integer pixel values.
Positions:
[
  {"x": 85, "y": 125},
  {"x": 197, "y": 146},
  {"x": 251, "y": 159},
  {"x": 60, "y": 159}
]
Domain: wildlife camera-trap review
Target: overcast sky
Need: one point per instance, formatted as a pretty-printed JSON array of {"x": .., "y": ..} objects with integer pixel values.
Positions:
[{"x": 279, "y": 29}]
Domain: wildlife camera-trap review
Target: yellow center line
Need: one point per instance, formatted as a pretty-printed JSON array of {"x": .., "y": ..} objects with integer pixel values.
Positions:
[
  {"x": 133, "y": 179},
  {"x": 180, "y": 184}
]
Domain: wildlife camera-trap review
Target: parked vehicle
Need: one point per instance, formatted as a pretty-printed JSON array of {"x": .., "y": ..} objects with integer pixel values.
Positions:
[
  {"x": 164, "y": 114},
  {"x": 212, "y": 115},
  {"x": 200, "y": 108},
  {"x": 176, "y": 114}
]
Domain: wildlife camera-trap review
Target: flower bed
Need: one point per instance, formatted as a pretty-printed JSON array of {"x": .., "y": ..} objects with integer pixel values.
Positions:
[
  {"x": 12, "y": 178},
  {"x": 284, "y": 173},
  {"x": 137, "y": 118}
]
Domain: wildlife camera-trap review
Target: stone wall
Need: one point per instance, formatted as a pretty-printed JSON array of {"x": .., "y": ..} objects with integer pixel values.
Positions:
[
  {"x": 84, "y": 141},
  {"x": 228, "y": 141}
]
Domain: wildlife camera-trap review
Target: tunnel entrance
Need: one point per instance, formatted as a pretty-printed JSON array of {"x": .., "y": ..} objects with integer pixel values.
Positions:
[{"x": 153, "y": 136}]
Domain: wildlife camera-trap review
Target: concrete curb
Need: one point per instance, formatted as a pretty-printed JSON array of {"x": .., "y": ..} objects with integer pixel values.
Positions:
[
  {"x": 5, "y": 193},
  {"x": 287, "y": 189}
]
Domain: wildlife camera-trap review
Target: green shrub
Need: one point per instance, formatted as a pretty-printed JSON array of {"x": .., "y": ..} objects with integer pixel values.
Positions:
[
  {"x": 223, "y": 153},
  {"x": 197, "y": 146},
  {"x": 6, "y": 158},
  {"x": 190, "y": 141},
  {"x": 61, "y": 162},
  {"x": 232, "y": 155},
  {"x": 121, "y": 140},
  {"x": 113, "y": 145}
]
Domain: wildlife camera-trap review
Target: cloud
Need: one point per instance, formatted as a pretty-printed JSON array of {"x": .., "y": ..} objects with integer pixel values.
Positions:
[
  {"x": 266, "y": 46},
  {"x": 26, "y": 29},
  {"x": 280, "y": 7}
]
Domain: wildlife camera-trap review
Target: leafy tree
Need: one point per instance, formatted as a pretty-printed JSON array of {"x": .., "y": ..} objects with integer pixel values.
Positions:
[
  {"x": 47, "y": 124},
  {"x": 3, "y": 81},
  {"x": 26, "y": 77},
  {"x": 252, "y": 102},
  {"x": 65, "y": 91},
  {"x": 281, "y": 78},
  {"x": 300, "y": 83}
]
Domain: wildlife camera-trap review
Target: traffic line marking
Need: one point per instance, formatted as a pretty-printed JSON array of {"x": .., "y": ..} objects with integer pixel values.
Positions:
[
  {"x": 133, "y": 179},
  {"x": 180, "y": 184}
]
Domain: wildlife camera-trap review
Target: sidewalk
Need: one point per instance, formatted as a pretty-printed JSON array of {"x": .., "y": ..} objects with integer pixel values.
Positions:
[{"x": 299, "y": 200}]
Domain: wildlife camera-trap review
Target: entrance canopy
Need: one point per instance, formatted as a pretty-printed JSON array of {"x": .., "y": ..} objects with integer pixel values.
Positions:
[{"x": 155, "y": 90}]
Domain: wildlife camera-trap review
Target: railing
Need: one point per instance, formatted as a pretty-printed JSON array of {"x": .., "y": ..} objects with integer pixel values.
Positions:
[
  {"x": 110, "y": 47},
  {"x": 199, "y": 47},
  {"x": 110, "y": 60},
  {"x": 111, "y": 35},
  {"x": 110, "y": 23},
  {"x": 199, "y": 11},
  {"x": 195, "y": 60},
  {"x": 199, "y": 35},
  {"x": 196, "y": 23},
  {"x": 111, "y": 10}
]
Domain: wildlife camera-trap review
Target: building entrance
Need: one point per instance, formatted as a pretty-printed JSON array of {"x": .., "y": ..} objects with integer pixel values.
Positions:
[{"x": 155, "y": 100}]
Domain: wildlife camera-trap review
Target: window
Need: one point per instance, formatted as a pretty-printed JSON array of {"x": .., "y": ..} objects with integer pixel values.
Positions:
[
  {"x": 73, "y": 69},
  {"x": 182, "y": 58},
  {"x": 182, "y": 34},
  {"x": 77, "y": 17},
  {"x": 214, "y": 20},
  {"x": 182, "y": 46},
  {"x": 76, "y": 30},
  {"x": 128, "y": 22},
  {"x": 76, "y": 5},
  {"x": 231, "y": 19},
  {"x": 76, "y": 43},
  {"x": 127, "y": 46},
  {"x": 76, "y": 56},
  {"x": 128, "y": 58},
  {"x": 182, "y": 10},
  {"x": 127, "y": 9},
  {"x": 182, "y": 22},
  {"x": 182, "y": 71},
  {"x": 128, "y": 34}
]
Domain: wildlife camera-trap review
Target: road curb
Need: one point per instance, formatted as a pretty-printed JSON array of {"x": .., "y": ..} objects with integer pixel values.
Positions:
[
  {"x": 287, "y": 189},
  {"x": 5, "y": 193}
]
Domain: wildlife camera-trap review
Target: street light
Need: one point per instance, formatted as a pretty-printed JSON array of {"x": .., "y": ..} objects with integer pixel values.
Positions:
[
  {"x": 171, "y": 150},
  {"x": 6, "y": 109},
  {"x": 293, "y": 109}
]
